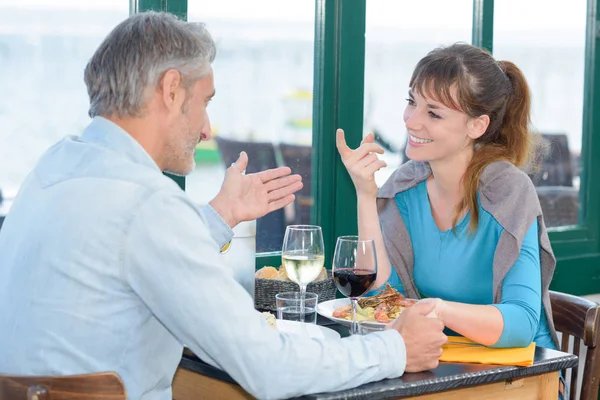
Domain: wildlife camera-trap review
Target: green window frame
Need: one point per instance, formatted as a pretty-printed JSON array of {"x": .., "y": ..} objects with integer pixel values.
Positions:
[{"x": 338, "y": 102}]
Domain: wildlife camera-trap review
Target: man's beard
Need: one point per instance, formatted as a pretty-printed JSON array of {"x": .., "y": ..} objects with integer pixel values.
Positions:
[{"x": 181, "y": 160}]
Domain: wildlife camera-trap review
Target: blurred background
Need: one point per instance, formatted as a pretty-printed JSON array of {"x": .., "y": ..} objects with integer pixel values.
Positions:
[{"x": 264, "y": 77}]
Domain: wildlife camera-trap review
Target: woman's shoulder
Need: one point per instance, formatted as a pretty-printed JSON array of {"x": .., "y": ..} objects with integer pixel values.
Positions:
[
  {"x": 501, "y": 172},
  {"x": 508, "y": 194},
  {"x": 406, "y": 177},
  {"x": 502, "y": 180}
]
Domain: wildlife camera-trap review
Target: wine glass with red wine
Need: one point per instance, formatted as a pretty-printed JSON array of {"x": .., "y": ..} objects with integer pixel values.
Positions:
[{"x": 354, "y": 270}]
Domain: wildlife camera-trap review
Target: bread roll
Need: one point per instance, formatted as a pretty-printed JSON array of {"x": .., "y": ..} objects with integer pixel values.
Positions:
[
  {"x": 283, "y": 276},
  {"x": 267, "y": 273}
]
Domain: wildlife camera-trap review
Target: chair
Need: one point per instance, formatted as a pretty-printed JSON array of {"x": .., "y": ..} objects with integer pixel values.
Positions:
[
  {"x": 99, "y": 386},
  {"x": 580, "y": 318},
  {"x": 560, "y": 205},
  {"x": 299, "y": 159},
  {"x": 270, "y": 229},
  {"x": 555, "y": 164}
]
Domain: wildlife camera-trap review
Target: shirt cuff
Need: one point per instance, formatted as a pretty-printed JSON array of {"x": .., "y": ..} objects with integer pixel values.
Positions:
[
  {"x": 219, "y": 229},
  {"x": 392, "y": 354}
]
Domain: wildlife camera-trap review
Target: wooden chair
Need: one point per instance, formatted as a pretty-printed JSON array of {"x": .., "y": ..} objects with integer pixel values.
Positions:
[
  {"x": 100, "y": 386},
  {"x": 580, "y": 318}
]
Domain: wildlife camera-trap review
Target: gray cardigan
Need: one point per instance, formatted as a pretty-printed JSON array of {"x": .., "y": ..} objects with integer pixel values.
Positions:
[{"x": 505, "y": 191}]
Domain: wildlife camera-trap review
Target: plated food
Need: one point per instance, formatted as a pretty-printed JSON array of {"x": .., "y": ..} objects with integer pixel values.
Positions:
[
  {"x": 383, "y": 307},
  {"x": 300, "y": 328},
  {"x": 270, "y": 319}
]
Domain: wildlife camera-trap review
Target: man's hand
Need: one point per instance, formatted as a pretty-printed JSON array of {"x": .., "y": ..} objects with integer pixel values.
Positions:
[
  {"x": 247, "y": 197},
  {"x": 439, "y": 306},
  {"x": 423, "y": 336}
]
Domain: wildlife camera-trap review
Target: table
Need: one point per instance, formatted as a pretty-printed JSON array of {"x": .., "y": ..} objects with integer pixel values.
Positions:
[{"x": 197, "y": 380}]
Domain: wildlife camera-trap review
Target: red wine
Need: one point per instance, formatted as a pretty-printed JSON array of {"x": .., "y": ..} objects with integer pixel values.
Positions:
[{"x": 354, "y": 282}]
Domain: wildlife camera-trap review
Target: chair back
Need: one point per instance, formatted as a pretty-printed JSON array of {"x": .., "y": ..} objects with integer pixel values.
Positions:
[
  {"x": 299, "y": 159},
  {"x": 270, "y": 229},
  {"x": 579, "y": 318},
  {"x": 555, "y": 164},
  {"x": 560, "y": 205},
  {"x": 261, "y": 155},
  {"x": 99, "y": 386}
]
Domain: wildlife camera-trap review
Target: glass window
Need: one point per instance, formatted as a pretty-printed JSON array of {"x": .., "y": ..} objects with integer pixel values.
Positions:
[
  {"x": 398, "y": 35},
  {"x": 263, "y": 103},
  {"x": 547, "y": 42},
  {"x": 44, "y": 47}
]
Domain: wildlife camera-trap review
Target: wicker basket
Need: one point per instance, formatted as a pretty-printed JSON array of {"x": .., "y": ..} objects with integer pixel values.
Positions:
[{"x": 266, "y": 289}]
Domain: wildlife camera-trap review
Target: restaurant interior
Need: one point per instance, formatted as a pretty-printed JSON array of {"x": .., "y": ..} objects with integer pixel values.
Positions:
[{"x": 287, "y": 75}]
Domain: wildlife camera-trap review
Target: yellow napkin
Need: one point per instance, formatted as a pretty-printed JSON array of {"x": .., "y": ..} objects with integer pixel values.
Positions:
[{"x": 461, "y": 353}]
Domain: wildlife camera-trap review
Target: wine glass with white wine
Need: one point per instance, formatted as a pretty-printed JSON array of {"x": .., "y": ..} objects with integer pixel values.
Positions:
[{"x": 303, "y": 256}]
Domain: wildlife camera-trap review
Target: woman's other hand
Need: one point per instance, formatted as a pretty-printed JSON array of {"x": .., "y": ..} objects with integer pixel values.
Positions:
[{"x": 361, "y": 163}]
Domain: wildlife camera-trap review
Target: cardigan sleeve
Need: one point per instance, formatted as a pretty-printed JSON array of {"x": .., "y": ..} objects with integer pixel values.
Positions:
[{"x": 521, "y": 303}]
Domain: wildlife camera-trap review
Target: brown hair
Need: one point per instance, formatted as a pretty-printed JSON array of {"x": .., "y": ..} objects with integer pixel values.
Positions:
[{"x": 469, "y": 79}]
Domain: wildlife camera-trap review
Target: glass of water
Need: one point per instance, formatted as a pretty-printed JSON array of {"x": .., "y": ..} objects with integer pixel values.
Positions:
[{"x": 289, "y": 306}]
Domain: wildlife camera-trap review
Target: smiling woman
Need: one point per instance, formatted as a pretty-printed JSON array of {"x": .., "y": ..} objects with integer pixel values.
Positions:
[
  {"x": 455, "y": 108},
  {"x": 445, "y": 219}
]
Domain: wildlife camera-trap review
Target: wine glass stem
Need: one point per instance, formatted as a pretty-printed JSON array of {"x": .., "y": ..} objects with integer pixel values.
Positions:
[
  {"x": 302, "y": 301},
  {"x": 354, "y": 327}
]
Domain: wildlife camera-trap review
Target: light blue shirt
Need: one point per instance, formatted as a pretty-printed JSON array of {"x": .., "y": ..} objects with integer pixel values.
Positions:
[{"x": 106, "y": 265}]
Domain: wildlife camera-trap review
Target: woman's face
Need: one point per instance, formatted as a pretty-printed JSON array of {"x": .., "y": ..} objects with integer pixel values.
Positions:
[{"x": 436, "y": 132}]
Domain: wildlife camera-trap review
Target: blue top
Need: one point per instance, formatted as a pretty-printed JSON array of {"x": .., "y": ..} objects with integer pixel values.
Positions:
[
  {"x": 107, "y": 265},
  {"x": 458, "y": 267}
]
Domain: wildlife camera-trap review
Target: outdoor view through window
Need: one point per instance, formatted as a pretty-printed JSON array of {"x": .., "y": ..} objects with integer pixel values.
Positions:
[{"x": 264, "y": 78}]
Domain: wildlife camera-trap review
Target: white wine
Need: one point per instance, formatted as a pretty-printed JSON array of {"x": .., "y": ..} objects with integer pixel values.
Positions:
[{"x": 303, "y": 268}]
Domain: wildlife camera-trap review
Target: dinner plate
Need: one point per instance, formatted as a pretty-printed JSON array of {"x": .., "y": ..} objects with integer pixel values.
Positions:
[
  {"x": 326, "y": 309},
  {"x": 303, "y": 328}
]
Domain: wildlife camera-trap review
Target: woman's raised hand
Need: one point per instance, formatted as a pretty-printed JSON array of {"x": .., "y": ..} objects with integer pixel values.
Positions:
[{"x": 361, "y": 163}]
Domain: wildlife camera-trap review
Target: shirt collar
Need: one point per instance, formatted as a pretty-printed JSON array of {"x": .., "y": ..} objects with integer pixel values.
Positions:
[{"x": 106, "y": 133}]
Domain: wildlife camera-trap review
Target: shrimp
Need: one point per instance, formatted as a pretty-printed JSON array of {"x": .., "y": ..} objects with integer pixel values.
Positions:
[
  {"x": 381, "y": 313},
  {"x": 403, "y": 302},
  {"x": 342, "y": 312}
]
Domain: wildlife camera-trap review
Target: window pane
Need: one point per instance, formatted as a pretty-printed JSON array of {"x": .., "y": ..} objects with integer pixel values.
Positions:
[
  {"x": 44, "y": 47},
  {"x": 398, "y": 35},
  {"x": 547, "y": 42},
  {"x": 263, "y": 80}
]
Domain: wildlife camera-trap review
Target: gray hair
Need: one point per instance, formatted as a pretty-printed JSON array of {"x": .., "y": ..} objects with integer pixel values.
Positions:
[{"x": 135, "y": 56}]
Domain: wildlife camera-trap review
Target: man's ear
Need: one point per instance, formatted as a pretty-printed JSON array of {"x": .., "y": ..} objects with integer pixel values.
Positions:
[
  {"x": 477, "y": 126},
  {"x": 173, "y": 94}
]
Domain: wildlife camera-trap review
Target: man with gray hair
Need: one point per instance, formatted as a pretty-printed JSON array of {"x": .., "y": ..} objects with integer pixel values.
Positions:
[{"x": 106, "y": 265}]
